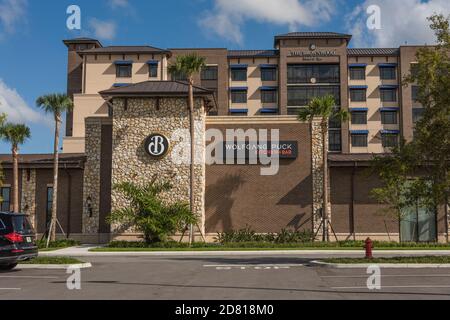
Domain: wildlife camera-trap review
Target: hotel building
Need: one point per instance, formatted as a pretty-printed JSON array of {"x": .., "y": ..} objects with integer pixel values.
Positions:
[{"x": 126, "y": 91}]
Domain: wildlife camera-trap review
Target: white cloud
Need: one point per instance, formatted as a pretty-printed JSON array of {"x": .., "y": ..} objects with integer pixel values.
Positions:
[
  {"x": 119, "y": 3},
  {"x": 228, "y": 16},
  {"x": 17, "y": 110},
  {"x": 11, "y": 13},
  {"x": 401, "y": 20},
  {"x": 105, "y": 30}
]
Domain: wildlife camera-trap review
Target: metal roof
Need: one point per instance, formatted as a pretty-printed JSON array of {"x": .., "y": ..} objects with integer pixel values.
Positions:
[
  {"x": 373, "y": 51},
  {"x": 154, "y": 88},
  {"x": 125, "y": 49},
  {"x": 252, "y": 53},
  {"x": 312, "y": 35}
]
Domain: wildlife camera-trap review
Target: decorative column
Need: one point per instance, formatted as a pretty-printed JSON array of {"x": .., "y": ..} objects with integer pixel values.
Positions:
[
  {"x": 91, "y": 185},
  {"x": 317, "y": 175},
  {"x": 28, "y": 199}
]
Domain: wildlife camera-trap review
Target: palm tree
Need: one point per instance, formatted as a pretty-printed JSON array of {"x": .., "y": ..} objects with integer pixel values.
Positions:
[
  {"x": 15, "y": 134},
  {"x": 189, "y": 65},
  {"x": 56, "y": 104},
  {"x": 324, "y": 108}
]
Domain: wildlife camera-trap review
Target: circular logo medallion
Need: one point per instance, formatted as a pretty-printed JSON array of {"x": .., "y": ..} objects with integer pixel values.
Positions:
[
  {"x": 312, "y": 47},
  {"x": 157, "y": 145}
]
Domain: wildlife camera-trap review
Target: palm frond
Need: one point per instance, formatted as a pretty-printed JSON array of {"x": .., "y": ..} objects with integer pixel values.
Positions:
[{"x": 55, "y": 103}]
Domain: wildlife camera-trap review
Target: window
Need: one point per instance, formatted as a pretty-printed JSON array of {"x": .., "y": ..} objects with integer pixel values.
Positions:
[
  {"x": 6, "y": 199},
  {"x": 123, "y": 71},
  {"x": 414, "y": 69},
  {"x": 322, "y": 73},
  {"x": 417, "y": 114},
  {"x": 22, "y": 225},
  {"x": 209, "y": 73},
  {"x": 389, "y": 117},
  {"x": 414, "y": 93},
  {"x": 49, "y": 205},
  {"x": 153, "y": 70},
  {"x": 358, "y": 95},
  {"x": 239, "y": 74},
  {"x": 389, "y": 140},
  {"x": 179, "y": 77},
  {"x": 357, "y": 73},
  {"x": 359, "y": 140},
  {"x": 387, "y": 73},
  {"x": 388, "y": 95},
  {"x": 335, "y": 140},
  {"x": 302, "y": 95},
  {"x": 269, "y": 74},
  {"x": 239, "y": 96},
  {"x": 359, "y": 117},
  {"x": 2, "y": 225},
  {"x": 268, "y": 96}
]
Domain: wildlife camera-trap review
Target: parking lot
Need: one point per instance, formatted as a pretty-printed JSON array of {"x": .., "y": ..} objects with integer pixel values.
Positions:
[{"x": 231, "y": 277}]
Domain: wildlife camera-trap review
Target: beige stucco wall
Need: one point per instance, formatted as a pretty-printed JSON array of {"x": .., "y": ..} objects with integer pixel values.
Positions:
[
  {"x": 373, "y": 102},
  {"x": 100, "y": 72},
  {"x": 253, "y": 83},
  {"x": 85, "y": 105}
]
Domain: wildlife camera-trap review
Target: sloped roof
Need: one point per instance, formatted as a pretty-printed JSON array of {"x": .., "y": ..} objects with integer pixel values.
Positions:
[
  {"x": 252, "y": 53},
  {"x": 312, "y": 35},
  {"x": 155, "y": 88},
  {"x": 124, "y": 49},
  {"x": 373, "y": 51},
  {"x": 45, "y": 161}
]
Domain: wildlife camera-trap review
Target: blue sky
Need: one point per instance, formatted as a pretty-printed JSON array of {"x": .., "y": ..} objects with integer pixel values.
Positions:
[{"x": 33, "y": 57}]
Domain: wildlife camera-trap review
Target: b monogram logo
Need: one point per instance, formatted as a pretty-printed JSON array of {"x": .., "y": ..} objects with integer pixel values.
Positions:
[{"x": 157, "y": 145}]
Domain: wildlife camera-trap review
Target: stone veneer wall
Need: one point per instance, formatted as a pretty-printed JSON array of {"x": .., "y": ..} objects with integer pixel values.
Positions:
[
  {"x": 130, "y": 163},
  {"x": 317, "y": 174},
  {"x": 92, "y": 183},
  {"x": 28, "y": 196}
]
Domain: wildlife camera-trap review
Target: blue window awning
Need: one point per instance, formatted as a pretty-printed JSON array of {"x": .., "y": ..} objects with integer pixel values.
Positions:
[
  {"x": 357, "y": 65},
  {"x": 268, "y": 66},
  {"x": 117, "y": 85},
  {"x": 153, "y": 62},
  {"x": 268, "y": 88},
  {"x": 388, "y": 86},
  {"x": 357, "y": 87},
  {"x": 389, "y": 109},
  {"x": 390, "y": 131},
  {"x": 238, "y": 110},
  {"x": 239, "y": 89},
  {"x": 269, "y": 110},
  {"x": 387, "y": 65},
  {"x": 239, "y": 66},
  {"x": 359, "y": 131},
  {"x": 123, "y": 62},
  {"x": 359, "y": 109}
]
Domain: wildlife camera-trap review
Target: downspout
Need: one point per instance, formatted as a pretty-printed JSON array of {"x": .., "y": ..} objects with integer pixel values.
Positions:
[
  {"x": 69, "y": 200},
  {"x": 352, "y": 207}
]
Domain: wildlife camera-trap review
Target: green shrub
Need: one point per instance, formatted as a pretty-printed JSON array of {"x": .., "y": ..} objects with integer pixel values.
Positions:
[
  {"x": 248, "y": 235},
  {"x": 42, "y": 244},
  {"x": 149, "y": 214}
]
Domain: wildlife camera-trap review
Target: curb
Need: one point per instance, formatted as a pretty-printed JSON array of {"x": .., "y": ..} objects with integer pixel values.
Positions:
[
  {"x": 54, "y": 266},
  {"x": 381, "y": 265}
]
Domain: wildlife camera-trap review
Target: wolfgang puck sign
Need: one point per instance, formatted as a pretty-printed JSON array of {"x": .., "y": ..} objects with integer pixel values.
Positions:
[{"x": 157, "y": 145}]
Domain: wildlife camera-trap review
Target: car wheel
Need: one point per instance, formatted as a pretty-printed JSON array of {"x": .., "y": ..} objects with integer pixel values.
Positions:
[{"x": 6, "y": 267}]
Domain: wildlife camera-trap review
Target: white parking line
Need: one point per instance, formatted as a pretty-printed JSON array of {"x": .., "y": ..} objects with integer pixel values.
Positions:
[
  {"x": 10, "y": 288},
  {"x": 29, "y": 277},
  {"x": 394, "y": 276},
  {"x": 252, "y": 265},
  {"x": 395, "y": 287}
]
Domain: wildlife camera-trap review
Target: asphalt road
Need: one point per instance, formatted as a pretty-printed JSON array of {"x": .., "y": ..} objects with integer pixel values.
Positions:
[{"x": 231, "y": 277}]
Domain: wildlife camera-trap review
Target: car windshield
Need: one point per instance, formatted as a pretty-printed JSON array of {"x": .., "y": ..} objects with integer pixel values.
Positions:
[{"x": 22, "y": 225}]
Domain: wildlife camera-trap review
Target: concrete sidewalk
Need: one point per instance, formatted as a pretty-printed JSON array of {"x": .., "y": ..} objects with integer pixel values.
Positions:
[{"x": 83, "y": 251}]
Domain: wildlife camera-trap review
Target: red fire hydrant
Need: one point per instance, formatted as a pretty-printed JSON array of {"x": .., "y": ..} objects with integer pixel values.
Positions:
[{"x": 368, "y": 246}]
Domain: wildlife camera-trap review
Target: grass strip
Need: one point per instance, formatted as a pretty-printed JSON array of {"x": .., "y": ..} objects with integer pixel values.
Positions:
[
  {"x": 52, "y": 260},
  {"x": 393, "y": 260}
]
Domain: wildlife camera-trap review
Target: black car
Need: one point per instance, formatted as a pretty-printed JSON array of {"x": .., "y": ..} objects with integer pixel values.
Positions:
[{"x": 17, "y": 240}]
